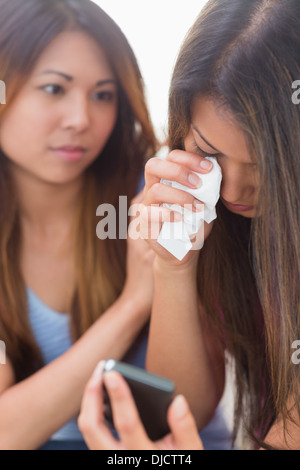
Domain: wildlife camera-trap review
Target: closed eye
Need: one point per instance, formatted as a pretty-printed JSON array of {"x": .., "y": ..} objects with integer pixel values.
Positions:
[{"x": 201, "y": 152}]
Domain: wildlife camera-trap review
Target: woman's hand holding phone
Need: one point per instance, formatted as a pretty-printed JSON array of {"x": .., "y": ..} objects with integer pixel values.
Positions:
[{"x": 183, "y": 436}]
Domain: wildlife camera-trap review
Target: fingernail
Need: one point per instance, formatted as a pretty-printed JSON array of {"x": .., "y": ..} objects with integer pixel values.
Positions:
[
  {"x": 98, "y": 370},
  {"x": 206, "y": 165},
  {"x": 110, "y": 380},
  {"x": 194, "y": 179},
  {"x": 180, "y": 406}
]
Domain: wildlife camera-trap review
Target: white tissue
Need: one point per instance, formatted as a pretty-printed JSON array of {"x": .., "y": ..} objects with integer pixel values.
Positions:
[{"x": 175, "y": 236}]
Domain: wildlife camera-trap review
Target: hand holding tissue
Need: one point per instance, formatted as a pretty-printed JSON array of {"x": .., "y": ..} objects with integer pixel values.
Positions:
[{"x": 175, "y": 236}]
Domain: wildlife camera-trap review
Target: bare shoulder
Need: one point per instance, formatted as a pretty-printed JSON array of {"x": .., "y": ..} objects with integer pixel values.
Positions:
[{"x": 7, "y": 376}]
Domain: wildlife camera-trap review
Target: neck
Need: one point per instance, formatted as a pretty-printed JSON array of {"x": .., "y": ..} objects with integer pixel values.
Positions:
[{"x": 45, "y": 206}]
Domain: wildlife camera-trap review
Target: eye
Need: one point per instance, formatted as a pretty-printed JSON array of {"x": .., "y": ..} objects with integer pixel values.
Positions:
[
  {"x": 52, "y": 89},
  {"x": 105, "y": 96},
  {"x": 201, "y": 152}
]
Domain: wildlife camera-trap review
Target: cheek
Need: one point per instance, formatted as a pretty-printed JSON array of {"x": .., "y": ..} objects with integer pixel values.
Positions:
[
  {"x": 11, "y": 127},
  {"x": 105, "y": 126},
  {"x": 238, "y": 184},
  {"x": 21, "y": 130}
]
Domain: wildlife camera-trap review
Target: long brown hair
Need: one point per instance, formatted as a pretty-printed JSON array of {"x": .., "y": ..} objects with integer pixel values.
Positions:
[
  {"x": 245, "y": 55},
  {"x": 26, "y": 28}
]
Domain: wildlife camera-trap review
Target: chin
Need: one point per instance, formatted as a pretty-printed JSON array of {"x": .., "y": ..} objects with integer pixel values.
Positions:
[
  {"x": 248, "y": 214},
  {"x": 251, "y": 215},
  {"x": 59, "y": 179}
]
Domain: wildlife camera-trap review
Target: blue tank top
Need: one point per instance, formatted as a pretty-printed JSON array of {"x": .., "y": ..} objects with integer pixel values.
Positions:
[{"x": 52, "y": 333}]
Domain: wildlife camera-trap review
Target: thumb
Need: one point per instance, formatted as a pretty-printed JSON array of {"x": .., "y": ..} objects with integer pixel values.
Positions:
[{"x": 183, "y": 425}]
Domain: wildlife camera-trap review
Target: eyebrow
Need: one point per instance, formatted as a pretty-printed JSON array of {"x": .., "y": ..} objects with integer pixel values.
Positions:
[
  {"x": 218, "y": 151},
  {"x": 207, "y": 143},
  {"x": 69, "y": 78}
]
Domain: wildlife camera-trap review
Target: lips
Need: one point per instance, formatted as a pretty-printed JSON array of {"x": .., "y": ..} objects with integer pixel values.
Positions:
[
  {"x": 237, "y": 207},
  {"x": 69, "y": 152}
]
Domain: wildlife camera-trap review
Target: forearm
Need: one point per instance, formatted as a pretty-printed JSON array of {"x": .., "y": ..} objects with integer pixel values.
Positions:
[
  {"x": 177, "y": 347},
  {"x": 34, "y": 409}
]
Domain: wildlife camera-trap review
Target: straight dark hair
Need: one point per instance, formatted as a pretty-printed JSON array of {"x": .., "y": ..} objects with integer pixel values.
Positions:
[{"x": 244, "y": 55}]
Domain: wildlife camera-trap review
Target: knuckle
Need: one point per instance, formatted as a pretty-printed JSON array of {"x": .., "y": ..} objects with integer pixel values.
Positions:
[
  {"x": 92, "y": 389},
  {"x": 188, "y": 199},
  {"x": 178, "y": 172},
  {"x": 83, "y": 423},
  {"x": 154, "y": 191},
  {"x": 126, "y": 425},
  {"x": 146, "y": 214},
  {"x": 173, "y": 155},
  {"x": 151, "y": 165}
]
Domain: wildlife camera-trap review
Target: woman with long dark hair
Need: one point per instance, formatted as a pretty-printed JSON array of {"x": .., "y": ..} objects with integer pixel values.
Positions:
[
  {"x": 231, "y": 99},
  {"x": 74, "y": 133}
]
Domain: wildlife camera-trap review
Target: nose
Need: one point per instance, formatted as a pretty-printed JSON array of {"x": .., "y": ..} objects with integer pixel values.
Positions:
[
  {"x": 235, "y": 188},
  {"x": 231, "y": 193},
  {"x": 76, "y": 114}
]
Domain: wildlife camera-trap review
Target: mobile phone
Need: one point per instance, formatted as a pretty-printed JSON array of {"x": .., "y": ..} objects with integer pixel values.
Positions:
[{"x": 152, "y": 394}]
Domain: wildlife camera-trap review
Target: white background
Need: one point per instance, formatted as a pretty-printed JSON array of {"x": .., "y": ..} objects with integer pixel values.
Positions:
[{"x": 155, "y": 30}]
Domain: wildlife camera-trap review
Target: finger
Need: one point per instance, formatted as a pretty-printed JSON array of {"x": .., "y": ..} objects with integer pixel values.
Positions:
[
  {"x": 191, "y": 160},
  {"x": 141, "y": 224},
  {"x": 157, "y": 169},
  {"x": 152, "y": 218},
  {"x": 161, "y": 193},
  {"x": 183, "y": 426},
  {"x": 126, "y": 418},
  {"x": 183, "y": 167},
  {"x": 156, "y": 213},
  {"x": 91, "y": 419},
  {"x": 91, "y": 407}
]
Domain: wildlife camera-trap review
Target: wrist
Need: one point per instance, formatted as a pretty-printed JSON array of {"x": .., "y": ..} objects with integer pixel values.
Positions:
[
  {"x": 187, "y": 268},
  {"x": 134, "y": 302}
]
